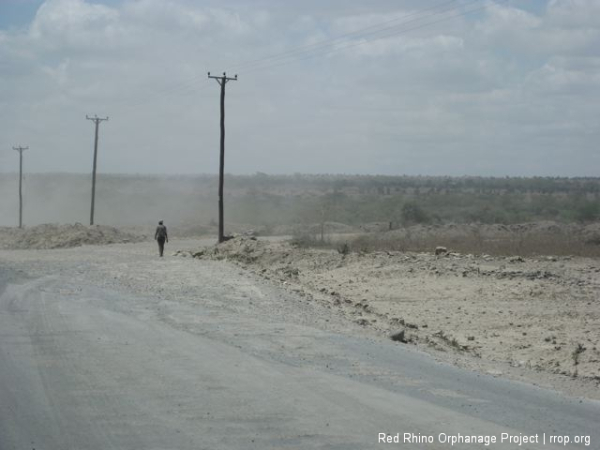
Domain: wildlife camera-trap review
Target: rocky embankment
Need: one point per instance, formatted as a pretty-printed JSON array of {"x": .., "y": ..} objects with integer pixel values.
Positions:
[
  {"x": 541, "y": 313},
  {"x": 50, "y": 236}
]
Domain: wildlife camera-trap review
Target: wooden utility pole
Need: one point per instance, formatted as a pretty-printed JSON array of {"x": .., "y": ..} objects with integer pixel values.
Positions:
[
  {"x": 20, "y": 150},
  {"x": 222, "y": 81},
  {"x": 97, "y": 121}
]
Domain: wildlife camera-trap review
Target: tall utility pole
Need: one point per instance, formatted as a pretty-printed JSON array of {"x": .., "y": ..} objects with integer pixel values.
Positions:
[
  {"x": 97, "y": 121},
  {"x": 20, "y": 150},
  {"x": 222, "y": 81}
]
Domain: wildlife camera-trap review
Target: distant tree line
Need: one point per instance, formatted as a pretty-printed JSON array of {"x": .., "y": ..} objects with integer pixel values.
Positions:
[
  {"x": 399, "y": 210},
  {"x": 268, "y": 200}
]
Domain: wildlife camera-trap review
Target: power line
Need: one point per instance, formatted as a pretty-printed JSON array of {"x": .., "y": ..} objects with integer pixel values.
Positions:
[
  {"x": 327, "y": 51},
  {"x": 375, "y": 28},
  {"x": 304, "y": 51},
  {"x": 223, "y": 80},
  {"x": 96, "y": 121}
]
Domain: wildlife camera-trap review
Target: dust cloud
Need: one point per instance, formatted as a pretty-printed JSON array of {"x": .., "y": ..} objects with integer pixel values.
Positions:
[{"x": 123, "y": 201}]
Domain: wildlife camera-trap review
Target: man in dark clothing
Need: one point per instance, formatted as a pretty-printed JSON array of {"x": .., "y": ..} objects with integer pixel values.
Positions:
[{"x": 161, "y": 237}]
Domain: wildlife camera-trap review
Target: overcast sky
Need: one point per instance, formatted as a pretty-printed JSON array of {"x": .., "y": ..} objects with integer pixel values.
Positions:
[{"x": 465, "y": 87}]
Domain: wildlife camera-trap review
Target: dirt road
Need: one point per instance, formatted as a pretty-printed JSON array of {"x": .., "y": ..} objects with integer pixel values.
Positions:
[
  {"x": 534, "y": 319},
  {"x": 112, "y": 347}
]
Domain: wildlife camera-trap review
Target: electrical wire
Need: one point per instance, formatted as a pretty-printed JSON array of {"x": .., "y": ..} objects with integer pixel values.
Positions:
[
  {"x": 318, "y": 49},
  {"x": 326, "y": 42},
  {"x": 328, "y": 51}
]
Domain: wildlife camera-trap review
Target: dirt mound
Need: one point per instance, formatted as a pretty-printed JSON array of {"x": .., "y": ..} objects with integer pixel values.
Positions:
[
  {"x": 538, "y": 313},
  {"x": 243, "y": 249},
  {"x": 49, "y": 236}
]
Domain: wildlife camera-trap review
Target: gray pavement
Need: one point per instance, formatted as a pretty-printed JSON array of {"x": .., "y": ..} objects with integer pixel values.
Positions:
[{"x": 89, "y": 367}]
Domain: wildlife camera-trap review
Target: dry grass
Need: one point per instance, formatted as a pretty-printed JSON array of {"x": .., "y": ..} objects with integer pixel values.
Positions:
[{"x": 544, "y": 244}]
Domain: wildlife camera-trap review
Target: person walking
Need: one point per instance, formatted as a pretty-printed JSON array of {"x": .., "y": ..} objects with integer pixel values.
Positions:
[{"x": 161, "y": 236}]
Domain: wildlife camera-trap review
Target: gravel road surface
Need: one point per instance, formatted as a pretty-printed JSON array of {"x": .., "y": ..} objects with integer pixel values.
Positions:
[{"x": 114, "y": 348}]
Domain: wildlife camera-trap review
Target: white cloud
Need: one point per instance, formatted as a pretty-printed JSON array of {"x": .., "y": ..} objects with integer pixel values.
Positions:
[
  {"x": 467, "y": 95},
  {"x": 60, "y": 73},
  {"x": 72, "y": 23},
  {"x": 575, "y": 14},
  {"x": 524, "y": 33}
]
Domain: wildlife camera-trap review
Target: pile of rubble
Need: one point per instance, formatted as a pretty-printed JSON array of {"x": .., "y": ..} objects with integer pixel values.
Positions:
[
  {"x": 51, "y": 236},
  {"x": 535, "y": 312}
]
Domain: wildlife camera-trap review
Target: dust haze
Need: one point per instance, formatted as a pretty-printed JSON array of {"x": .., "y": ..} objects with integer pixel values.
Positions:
[
  {"x": 527, "y": 215},
  {"x": 122, "y": 201},
  {"x": 406, "y": 183}
]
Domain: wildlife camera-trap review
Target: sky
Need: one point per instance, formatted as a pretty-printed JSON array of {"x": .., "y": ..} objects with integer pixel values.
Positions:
[{"x": 428, "y": 87}]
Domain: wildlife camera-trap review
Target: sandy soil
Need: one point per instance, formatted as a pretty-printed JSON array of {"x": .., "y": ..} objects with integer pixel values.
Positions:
[
  {"x": 535, "y": 319},
  {"x": 531, "y": 318},
  {"x": 49, "y": 236}
]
